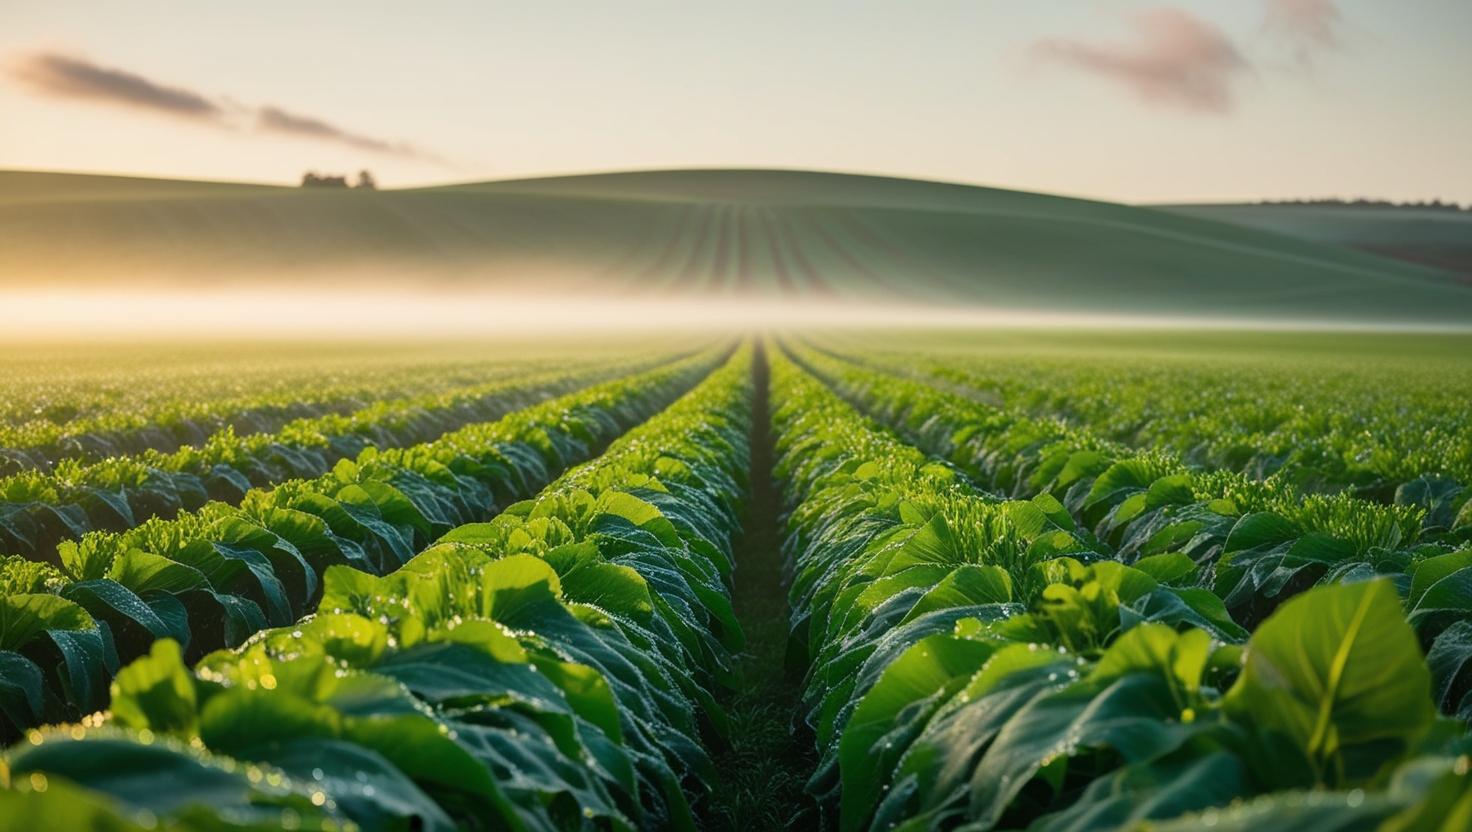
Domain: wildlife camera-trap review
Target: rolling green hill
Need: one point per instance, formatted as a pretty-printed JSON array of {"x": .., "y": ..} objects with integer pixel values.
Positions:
[
  {"x": 715, "y": 233},
  {"x": 1437, "y": 238}
]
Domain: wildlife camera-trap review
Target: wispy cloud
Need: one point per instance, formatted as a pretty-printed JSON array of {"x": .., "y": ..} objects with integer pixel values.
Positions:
[
  {"x": 276, "y": 120},
  {"x": 61, "y": 76},
  {"x": 54, "y": 75},
  {"x": 1308, "y": 25},
  {"x": 1176, "y": 60}
]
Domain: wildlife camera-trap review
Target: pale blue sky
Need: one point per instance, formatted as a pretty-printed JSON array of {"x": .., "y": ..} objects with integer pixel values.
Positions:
[{"x": 946, "y": 89}]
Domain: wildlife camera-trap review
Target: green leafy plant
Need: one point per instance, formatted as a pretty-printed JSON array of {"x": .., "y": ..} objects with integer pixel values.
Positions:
[
  {"x": 210, "y": 579},
  {"x": 548, "y": 670}
]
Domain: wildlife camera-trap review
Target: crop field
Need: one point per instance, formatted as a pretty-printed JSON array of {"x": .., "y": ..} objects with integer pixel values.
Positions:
[{"x": 932, "y": 581}]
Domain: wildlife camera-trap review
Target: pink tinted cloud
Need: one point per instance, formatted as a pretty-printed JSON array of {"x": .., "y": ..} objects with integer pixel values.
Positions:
[
  {"x": 1309, "y": 25},
  {"x": 1176, "y": 60}
]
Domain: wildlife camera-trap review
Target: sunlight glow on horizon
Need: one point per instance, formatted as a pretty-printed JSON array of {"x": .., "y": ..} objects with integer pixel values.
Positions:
[{"x": 39, "y": 316}]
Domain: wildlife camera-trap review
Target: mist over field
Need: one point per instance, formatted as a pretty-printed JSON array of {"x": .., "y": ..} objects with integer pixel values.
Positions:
[{"x": 655, "y": 249}]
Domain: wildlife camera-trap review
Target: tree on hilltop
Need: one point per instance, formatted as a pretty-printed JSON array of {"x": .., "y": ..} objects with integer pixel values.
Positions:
[{"x": 312, "y": 179}]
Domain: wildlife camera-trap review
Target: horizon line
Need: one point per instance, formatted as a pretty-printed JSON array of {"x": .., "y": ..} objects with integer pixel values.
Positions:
[{"x": 646, "y": 170}]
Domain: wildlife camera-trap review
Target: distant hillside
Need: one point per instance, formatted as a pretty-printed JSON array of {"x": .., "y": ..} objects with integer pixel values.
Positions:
[
  {"x": 717, "y": 233},
  {"x": 1438, "y": 238}
]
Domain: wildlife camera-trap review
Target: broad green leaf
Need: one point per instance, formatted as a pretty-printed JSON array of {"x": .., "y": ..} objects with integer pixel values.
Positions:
[
  {"x": 932, "y": 669},
  {"x": 1135, "y": 715},
  {"x": 947, "y": 751},
  {"x": 142, "y": 571},
  {"x": 1153, "y": 791},
  {"x": 1338, "y": 671},
  {"x": 473, "y": 534},
  {"x": 365, "y": 786},
  {"x": 1444, "y": 602},
  {"x": 1450, "y": 663},
  {"x": 1183, "y": 607},
  {"x": 1172, "y": 490},
  {"x": 392, "y": 505},
  {"x": 587, "y": 691},
  {"x": 156, "y": 692},
  {"x": 1166, "y": 567},
  {"x": 1428, "y": 572},
  {"x": 1263, "y": 528},
  {"x": 349, "y": 590},
  {"x": 1179, "y": 658},
  {"x": 309, "y": 535},
  {"x": 629, "y": 507},
  {"x": 513, "y": 590},
  {"x": 933, "y": 543},
  {"x": 155, "y": 777},
  {"x": 218, "y": 620},
  {"x": 491, "y": 638},
  {"x": 1123, "y": 477},
  {"x": 133, "y": 622},
  {"x": 1038, "y": 516},
  {"x": 459, "y": 675},
  {"x": 966, "y": 585},
  {"x": 241, "y": 718},
  {"x": 287, "y": 565},
  {"x": 617, "y": 589},
  {"x": 22, "y": 691},
  {"x": 82, "y": 662},
  {"x": 1124, "y": 582},
  {"x": 356, "y": 641},
  {"x": 266, "y": 588},
  {"x": 416, "y": 746},
  {"x": 24, "y": 616}
]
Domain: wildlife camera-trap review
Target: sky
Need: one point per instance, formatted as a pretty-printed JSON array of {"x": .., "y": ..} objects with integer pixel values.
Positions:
[{"x": 1112, "y": 99}]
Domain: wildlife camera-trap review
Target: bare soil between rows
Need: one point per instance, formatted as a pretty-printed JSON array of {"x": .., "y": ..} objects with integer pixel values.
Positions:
[{"x": 767, "y": 763}]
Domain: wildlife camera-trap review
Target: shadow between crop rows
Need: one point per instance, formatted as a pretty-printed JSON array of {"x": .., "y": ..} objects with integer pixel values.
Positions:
[{"x": 764, "y": 769}]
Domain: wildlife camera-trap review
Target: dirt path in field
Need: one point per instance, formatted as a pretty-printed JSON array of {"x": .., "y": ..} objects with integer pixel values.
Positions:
[{"x": 764, "y": 770}]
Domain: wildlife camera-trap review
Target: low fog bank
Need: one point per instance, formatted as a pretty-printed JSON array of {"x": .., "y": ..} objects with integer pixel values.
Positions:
[
  {"x": 276, "y": 314},
  {"x": 798, "y": 248}
]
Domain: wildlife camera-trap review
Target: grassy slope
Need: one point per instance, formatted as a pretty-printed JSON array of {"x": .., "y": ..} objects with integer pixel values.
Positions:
[
  {"x": 31, "y": 187},
  {"x": 1442, "y": 239},
  {"x": 708, "y": 233}
]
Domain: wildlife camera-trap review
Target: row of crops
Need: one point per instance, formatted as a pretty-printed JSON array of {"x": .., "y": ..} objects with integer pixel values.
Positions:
[
  {"x": 95, "y": 402},
  {"x": 1002, "y": 620},
  {"x": 211, "y": 578},
  {"x": 982, "y": 660},
  {"x": 553, "y": 668},
  {"x": 1371, "y": 420},
  {"x": 39, "y": 510}
]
